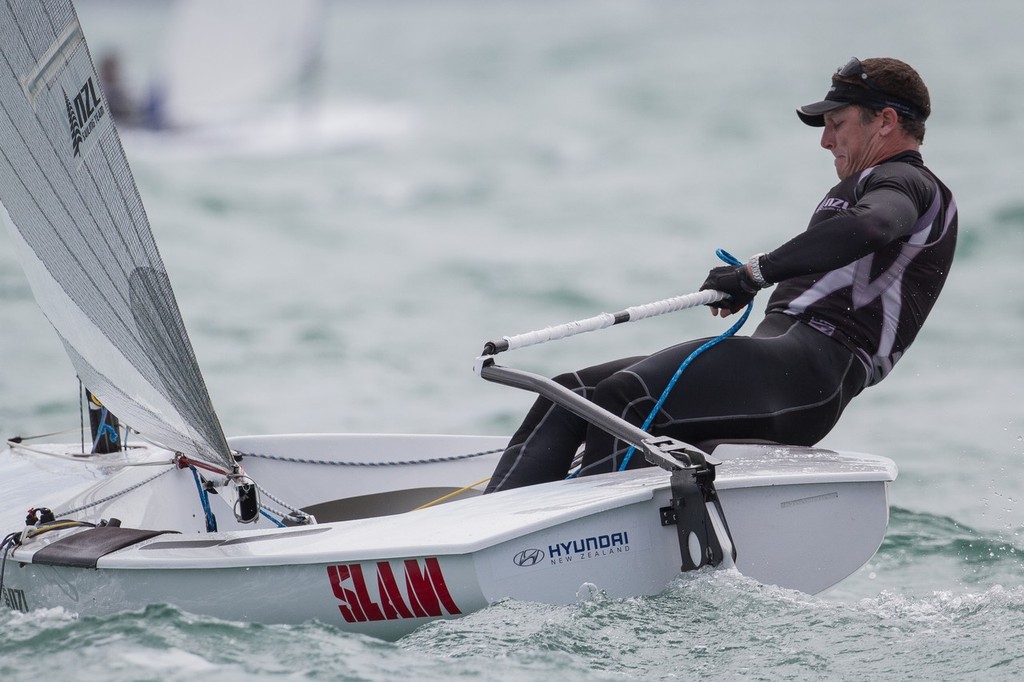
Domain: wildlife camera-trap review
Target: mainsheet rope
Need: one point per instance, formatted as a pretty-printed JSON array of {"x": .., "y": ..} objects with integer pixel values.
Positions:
[{"x": 731, "y": 260}]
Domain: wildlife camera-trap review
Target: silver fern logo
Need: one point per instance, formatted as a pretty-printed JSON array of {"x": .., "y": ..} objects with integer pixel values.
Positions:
[{"x": 84, "y": 113}]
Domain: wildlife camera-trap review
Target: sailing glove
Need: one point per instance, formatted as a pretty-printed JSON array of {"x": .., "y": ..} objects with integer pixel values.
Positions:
[{"x": 736, "y": 282}]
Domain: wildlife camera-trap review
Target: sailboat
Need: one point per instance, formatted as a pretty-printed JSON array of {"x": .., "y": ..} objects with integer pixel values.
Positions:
[
  {"x": 372, "y": 533},
  {"x": 245, "y": 78}
]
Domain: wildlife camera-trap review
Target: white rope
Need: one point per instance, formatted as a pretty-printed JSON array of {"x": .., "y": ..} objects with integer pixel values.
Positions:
[
  {"x": 291, "y": 508},
  {"x": 88, "y": 458},
  {"x": 127, "y": 490},
  {"x": 430, "y": 460},
  {"x": 604, "y": 320}
]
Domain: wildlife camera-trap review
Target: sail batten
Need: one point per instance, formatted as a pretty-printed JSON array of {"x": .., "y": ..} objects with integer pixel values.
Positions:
[{"x": 83, "y": 237}]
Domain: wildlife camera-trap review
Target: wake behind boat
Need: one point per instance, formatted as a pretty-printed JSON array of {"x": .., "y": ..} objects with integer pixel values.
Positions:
[{"x": 372, "y": 533}]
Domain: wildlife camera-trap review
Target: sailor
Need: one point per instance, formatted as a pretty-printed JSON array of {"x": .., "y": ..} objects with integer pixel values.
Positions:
[
  {"x": 120, "y": 104},
  {"x": 851, "y": 294},
  {"x": 128, "y": 112}
]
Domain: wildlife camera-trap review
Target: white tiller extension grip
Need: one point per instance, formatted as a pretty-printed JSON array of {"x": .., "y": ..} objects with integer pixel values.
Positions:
[{"x": 603, "y": 320}]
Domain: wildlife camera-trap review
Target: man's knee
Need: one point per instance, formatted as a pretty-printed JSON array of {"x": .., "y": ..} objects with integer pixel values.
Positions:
[
  {"x": 619, "y": 391},
  {"x": 570, "y": 380}
]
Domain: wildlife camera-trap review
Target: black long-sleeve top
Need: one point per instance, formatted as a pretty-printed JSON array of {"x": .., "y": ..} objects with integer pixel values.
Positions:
[{"x": 872, "y": 261}]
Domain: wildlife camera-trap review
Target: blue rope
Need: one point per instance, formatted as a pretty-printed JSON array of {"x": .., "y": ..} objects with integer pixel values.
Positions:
[
  {"x": 276, "y": 522},
  {"x": 204, "y": 498},
  {"x": 103, "y": 429},
  {"x": 731, "y": 260}
]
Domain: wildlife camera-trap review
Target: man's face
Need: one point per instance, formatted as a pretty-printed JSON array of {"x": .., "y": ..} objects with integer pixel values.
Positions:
[{"x": 854, "y": 144}]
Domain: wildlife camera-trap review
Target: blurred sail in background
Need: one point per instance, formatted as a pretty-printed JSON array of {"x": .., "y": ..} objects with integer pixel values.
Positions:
[
  {"x": 231, "y": 59},
  {"x": 246, "y": 77}
]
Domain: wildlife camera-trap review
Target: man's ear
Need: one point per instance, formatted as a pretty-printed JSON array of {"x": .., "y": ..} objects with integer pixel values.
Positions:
[{"x": 890, "y": 120}]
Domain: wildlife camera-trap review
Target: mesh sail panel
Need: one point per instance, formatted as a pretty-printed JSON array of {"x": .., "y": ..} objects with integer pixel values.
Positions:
[{"x": 83, "y": 237}]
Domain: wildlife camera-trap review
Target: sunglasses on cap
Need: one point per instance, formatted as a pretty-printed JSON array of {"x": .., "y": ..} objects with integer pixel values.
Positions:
[
  {"x": 852, "y": 85},
  {"x": 854, "y": 69}
]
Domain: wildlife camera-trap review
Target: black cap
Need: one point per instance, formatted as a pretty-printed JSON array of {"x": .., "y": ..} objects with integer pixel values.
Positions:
[{"x": 842, "y": 94}]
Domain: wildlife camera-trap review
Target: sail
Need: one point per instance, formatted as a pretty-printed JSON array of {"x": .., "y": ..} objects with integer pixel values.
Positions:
[
  {"x": 83, "y": 238},
  {"x": 231, "y": 59}
]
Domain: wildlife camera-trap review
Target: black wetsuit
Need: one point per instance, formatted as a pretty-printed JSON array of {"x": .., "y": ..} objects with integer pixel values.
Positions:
[{"x": 854, "y": 290}]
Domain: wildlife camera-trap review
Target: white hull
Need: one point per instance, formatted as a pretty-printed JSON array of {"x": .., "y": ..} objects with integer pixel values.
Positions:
[{"x": 800, "y": 518}]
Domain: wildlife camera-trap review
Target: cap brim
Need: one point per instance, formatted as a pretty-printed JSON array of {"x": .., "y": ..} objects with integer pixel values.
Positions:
[{"x": 814, "y": 114}]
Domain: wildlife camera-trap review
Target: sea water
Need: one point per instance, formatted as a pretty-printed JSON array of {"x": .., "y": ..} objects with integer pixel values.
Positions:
[{"x": 552, "y": 160}]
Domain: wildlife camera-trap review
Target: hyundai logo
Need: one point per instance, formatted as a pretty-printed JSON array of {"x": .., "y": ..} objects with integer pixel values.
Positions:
[{"x": 528, "y": 557}]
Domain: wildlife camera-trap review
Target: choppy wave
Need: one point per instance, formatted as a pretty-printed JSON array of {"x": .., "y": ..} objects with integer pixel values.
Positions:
[
  {"x": 720, "y": 623},
  {"x": 922, "y": 535},
  {"x": 713, "y": 623}
]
